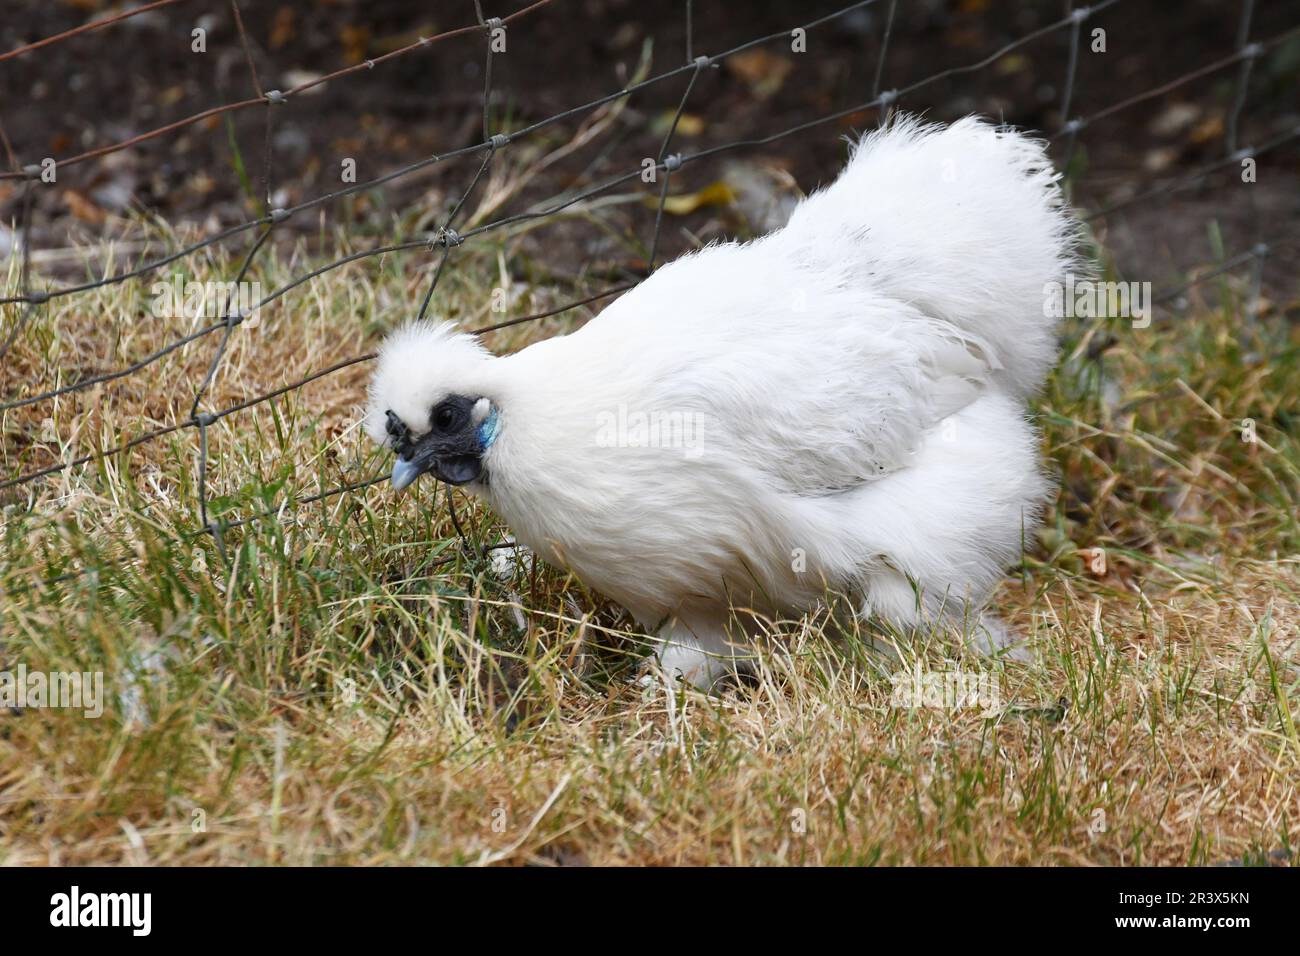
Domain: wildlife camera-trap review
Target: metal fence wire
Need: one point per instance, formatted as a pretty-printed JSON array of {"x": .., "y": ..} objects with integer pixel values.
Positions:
[{"x": 442, "y": 242}]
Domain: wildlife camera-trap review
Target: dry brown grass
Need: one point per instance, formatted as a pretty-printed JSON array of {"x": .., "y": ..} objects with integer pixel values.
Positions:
[{"x": 351, "y": 688}]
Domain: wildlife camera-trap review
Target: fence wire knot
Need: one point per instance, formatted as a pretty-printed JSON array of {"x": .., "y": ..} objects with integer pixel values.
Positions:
[
  {"x": 493, "y": 23},
  {"x": 32, "y": 171},
  {"x": 888, "y": 97},
  {"x": 274, "y": 96},
  {"x": 1078, "y": 16},
  {"x": 499, "y": 141},
  {"x": 1074, "y": 126},
  {"x": 673, "y": 162},
  {"x": 446, "y": 237},
  {"x": 280, "y": 214}
]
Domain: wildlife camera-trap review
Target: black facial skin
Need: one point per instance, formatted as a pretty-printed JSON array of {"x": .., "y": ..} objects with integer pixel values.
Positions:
[{"x": 450, "y": 450}]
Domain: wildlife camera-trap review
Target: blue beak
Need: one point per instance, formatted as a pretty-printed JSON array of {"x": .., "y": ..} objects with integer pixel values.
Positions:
[{"x": 404, "y": 472}]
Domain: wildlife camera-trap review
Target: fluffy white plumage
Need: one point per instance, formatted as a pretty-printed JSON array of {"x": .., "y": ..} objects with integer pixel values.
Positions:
[{"x": 840, "y": 405}]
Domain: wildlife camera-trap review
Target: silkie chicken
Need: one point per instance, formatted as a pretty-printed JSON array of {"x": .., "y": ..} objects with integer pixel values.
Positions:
[{"x": 837, "y": 407}]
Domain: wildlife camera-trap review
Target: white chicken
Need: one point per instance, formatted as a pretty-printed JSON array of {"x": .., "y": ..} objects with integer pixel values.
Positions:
[{"x": 835, "y": 408}]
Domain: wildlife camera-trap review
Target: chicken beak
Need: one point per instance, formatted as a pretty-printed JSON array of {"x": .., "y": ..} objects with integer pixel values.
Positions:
[{"x": 405, "y": 472}]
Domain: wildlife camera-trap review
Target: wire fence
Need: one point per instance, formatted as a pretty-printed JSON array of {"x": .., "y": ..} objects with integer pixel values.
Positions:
[{"x": 442, "y": 242}]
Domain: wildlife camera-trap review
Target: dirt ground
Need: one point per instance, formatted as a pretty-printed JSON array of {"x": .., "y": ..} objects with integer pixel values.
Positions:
[{"x": 109, "y": 85}]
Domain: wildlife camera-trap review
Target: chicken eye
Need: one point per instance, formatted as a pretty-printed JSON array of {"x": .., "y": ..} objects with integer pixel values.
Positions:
[{"x": 444, "y": 416}]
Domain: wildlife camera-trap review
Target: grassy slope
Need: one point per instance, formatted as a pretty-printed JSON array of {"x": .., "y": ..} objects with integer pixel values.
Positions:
[{"x": 350, "y": 688}]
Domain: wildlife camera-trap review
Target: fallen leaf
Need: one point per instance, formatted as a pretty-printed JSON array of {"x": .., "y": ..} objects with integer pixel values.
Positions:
[
  {"x": 1158, "y": 160},
  {"x": 763, "y": 71},
  {"x": 1208, "y": 130},
  {"x": 688, "y": 125},
  {"x": 355, "y": 40},
  {"x": 1011, "y": 64},
  {"x": 295, "y": 78},
  {"x": 83, "y": 208},
  {"x": 715, "y": 194},
  {"x": 201, "y": 184},
  {"x": 282, "y": 30},
  {"x": 1175, "y": 118}
]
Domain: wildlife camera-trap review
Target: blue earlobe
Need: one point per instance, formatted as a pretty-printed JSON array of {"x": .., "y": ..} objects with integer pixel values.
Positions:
[{"x": 487, "y": 432}]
